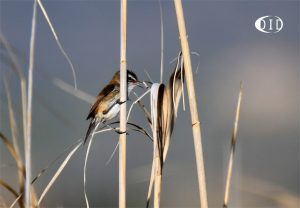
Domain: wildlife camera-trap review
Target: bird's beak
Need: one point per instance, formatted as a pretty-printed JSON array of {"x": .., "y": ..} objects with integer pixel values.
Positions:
[{"x": 139, "y": 84}]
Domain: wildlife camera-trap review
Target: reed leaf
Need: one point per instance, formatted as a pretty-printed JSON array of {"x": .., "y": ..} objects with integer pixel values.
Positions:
[
  {"x": 58, "y": 41},
  {"x": 9, "y": 188},
  {"x": 14, "y": 130},
  {"x": 58, "y": 172},
  {"x": 16, "y": 156},
  {"x": 164, "y": 106}
]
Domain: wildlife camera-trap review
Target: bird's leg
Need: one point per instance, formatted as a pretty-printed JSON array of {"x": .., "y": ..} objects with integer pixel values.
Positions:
[
  {"x": 121, "y": 102},
  {"x": 116, "y": 130}
]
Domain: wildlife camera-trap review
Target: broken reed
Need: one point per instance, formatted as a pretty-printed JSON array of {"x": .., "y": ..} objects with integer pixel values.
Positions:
[{"x": 232, "y": 149}]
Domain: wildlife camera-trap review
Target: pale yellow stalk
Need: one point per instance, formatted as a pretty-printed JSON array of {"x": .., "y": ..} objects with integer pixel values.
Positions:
[
  {"x": 193, "y": 103},
  {"x": 123, "y": 98}
]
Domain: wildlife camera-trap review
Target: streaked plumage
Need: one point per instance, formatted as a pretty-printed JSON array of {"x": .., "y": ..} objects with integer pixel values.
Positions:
[{"x": 107, "y": 105}]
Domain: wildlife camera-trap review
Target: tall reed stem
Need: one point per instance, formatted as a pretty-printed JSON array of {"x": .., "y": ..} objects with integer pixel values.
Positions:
[
  {"x": 192, "y": 102},
  {"x": 123, "y": 98}
]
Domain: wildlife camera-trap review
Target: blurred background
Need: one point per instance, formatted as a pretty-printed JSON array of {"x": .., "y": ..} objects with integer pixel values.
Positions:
[{"x": 230, "y": 48}]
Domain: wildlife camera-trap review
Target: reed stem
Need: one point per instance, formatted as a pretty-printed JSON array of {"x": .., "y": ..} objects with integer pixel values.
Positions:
[
  {"x": 123, "y": 98},
  {"x": 193, "y": 103},
  {"x": 29, "y": 110}
]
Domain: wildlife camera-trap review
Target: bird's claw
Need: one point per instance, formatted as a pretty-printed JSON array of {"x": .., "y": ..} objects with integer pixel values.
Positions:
[{"x": 121, "y": 132}]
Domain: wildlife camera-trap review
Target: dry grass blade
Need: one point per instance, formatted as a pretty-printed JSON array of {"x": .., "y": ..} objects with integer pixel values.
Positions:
[
  {"x": 2, "y": 203},
  {"x": 137, "y": 101},
  {"x": 170, "y": 104},
  {"x": 77, "y": 93},
  {"x": 9, "y": 188},
  {"x": 137, "y": 129},
  {"x": 112, "y": 154},
  {"x": 58, "y": 172},
  {"x": 232, "y": 150},
  {"x": 16, "y": 157},
  {"x": 14, "y": 130},
  {"x": 146, "y": 112},
  {"x": 14, "y": 60},
  {"x": 45, "y": 169},
  {"x": 193, "y": 103},
  {"x": 84, "y": 171},
  {"x": 162, "y": 130},
  {"x": 58, "y": 42},
  {"x": 17, "y": 67}
]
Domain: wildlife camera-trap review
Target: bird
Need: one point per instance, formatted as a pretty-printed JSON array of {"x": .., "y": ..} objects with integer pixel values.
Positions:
[{"x": 107, "y": 104}]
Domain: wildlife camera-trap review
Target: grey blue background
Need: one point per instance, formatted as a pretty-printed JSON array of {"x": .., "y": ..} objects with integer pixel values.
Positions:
[{"x": 266, "y": 170}]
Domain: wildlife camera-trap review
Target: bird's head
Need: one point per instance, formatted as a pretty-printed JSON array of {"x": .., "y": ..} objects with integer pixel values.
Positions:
[{"x": 132, "y": 79}]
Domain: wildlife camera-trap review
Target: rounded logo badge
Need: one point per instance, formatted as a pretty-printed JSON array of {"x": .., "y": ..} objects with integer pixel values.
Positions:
[{"x": 269, "y": 24}]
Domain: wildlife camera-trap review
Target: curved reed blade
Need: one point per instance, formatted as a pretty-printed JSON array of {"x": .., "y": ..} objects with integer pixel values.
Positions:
[
  {"x": 9, "y": 188},
  {"x": 164, "y": 105},
  {"x": 58, "y": 172},
  {"x": 62, "y": 50},
  {"x": 20, "y": 165},
  {"x": 14, "y": 130}
]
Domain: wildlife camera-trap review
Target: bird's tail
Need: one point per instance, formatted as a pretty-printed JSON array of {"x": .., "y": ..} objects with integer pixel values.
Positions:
[{"x": 91, "y": 130}]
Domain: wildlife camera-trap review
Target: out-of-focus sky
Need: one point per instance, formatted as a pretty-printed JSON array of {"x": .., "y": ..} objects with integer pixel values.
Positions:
[{"x": 230, "y": 48}]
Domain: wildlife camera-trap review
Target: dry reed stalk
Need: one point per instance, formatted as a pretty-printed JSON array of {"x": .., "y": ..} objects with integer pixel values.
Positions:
[
  {"x": 9, "y": 188},
  {"x": 28, "y": 201},
  {"x": 123, "y": 98},
  {"x": 18, "y": 160},
  {"x": 17, "y": 67},
  {"x": 192, "y": 102},
  {"x": 2, "y": 203},
  {"x": 13, "y": 127},
  {"x": 58, "y": 172},
  {"x": 232, "y": 149}
]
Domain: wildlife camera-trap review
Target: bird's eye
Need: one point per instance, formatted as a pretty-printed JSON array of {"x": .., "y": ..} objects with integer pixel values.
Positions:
[{"x": 131, "y": 78}]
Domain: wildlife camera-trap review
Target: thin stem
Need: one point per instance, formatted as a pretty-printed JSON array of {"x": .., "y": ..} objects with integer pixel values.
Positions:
[
  {"x": 232, "y": 149},
  {"x": 193, "y": 103},
  {"x": 58, "y": 42},
  {"x": 29, "y": 110},
  {"x": 14, "y": 130}
]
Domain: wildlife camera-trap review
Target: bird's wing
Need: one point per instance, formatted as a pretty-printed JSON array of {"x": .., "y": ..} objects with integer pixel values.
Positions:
[{"x": 94, "y": 109}]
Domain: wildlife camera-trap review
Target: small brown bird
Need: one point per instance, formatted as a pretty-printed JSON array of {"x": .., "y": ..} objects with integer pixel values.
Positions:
[{"x": 107, "y": 104}]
